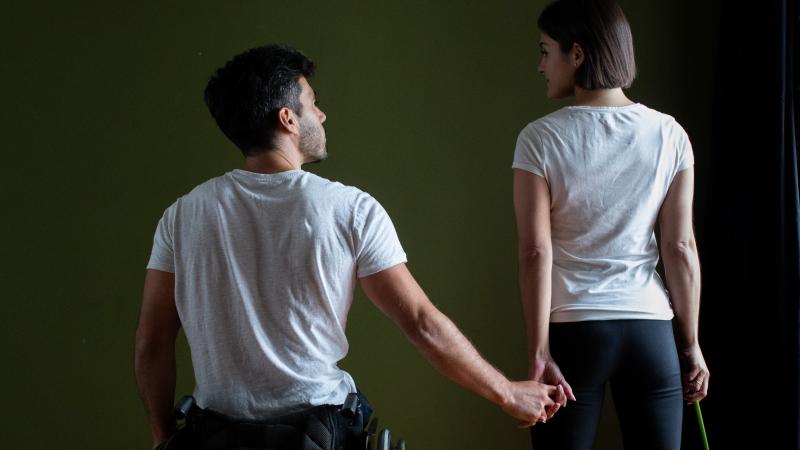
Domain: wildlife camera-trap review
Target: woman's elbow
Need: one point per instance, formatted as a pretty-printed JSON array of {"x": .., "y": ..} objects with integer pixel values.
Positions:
[
  {"x": 680, "y": 246},
  {"x": 682, "y": 252},
  {"x": 535, "y": 254}
]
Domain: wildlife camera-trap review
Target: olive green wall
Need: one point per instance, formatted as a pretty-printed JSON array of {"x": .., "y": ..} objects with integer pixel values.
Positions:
[{"x": 103, "y": 126}]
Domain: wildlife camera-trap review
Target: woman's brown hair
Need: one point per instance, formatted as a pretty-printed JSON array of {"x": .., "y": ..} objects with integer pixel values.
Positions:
[{"x": 602, "y": 31}]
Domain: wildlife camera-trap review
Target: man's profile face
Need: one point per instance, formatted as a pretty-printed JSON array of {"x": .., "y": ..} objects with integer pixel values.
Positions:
[{"x": 312, "y": 133}]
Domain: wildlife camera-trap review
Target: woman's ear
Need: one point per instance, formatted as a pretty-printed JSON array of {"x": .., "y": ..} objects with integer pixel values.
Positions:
[{"x": 576, "y": 55}]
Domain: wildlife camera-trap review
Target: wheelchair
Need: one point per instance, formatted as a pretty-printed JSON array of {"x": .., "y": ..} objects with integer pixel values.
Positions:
[{"x": 320, "y": 428}]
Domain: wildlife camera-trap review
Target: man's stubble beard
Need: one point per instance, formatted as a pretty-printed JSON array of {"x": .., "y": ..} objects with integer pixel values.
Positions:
[{"x": 312, "y": 142}]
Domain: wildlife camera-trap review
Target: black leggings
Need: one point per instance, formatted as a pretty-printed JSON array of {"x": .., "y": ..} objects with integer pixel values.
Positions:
[{"x": 640, "y": 360}]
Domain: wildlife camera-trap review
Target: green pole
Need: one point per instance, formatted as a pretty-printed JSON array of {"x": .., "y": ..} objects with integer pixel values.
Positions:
[{"x": 700, "y": 422}]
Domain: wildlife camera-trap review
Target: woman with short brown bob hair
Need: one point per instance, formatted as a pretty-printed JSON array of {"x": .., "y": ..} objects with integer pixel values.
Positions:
[
  {"x": 591, "y": 180},
  {"x": 605, "y": 39}
]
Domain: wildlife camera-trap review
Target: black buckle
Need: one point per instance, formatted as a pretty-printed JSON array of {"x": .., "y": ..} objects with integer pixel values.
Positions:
[
  {"x": 184, "y": 406},
  {"x": 351, "y": 404}
]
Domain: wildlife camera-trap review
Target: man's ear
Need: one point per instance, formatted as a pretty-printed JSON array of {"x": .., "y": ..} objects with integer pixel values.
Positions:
[
  {"x": 288, "y": 120},
  {"x": 576, "y": 55}
]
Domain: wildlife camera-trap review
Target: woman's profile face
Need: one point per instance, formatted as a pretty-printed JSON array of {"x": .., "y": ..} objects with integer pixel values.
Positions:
[{"x": 557, "y": 67}]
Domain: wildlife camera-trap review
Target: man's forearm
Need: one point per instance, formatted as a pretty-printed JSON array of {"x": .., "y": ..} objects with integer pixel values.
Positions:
[
  {"x": 535, "y": 279},
  {"x": 682, "y": 268},
  {"x": 399, "y": 296},
  {"x": 155, "y": 377},
  {"x": 451, "y": 353}
]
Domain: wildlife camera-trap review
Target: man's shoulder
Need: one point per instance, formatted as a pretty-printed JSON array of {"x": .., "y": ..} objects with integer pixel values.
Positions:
[
  {"x": 204, "y": 189},
  {"x": 333, "y": 190},
  {"x": 198, "y": 194},
  {"x": 312, "y": 187}
]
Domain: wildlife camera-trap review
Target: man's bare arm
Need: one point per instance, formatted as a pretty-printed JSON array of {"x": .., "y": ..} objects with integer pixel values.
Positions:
[
  {"x": 395, "y": 292},
  {"x": 155, "y": 352}
]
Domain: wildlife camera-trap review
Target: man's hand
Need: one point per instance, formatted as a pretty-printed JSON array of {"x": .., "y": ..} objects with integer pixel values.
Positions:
[
  {"x": 529, "y": 401},
  {"x": 695, "y": 374},
  {"x": 544, "y": 370}
]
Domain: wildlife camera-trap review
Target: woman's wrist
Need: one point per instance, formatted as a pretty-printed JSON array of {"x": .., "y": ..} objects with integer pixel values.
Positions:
[
  {"x": 539, "y": 351},
  {"x": 688, "y": 346}
]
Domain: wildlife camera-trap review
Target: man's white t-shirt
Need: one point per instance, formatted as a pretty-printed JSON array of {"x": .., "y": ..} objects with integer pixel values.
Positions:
[
  {"x": 608, "y": 169},
  {"x": 265, "y": 267}
]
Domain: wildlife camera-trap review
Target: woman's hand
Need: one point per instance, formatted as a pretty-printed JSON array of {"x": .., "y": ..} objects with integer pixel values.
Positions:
[
  {"x": 695, "y": 374},
  {"x": 544, "y": 370}
]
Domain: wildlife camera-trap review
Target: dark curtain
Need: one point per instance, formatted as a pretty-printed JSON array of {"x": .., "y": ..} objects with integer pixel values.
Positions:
[{"x": 749, "y": 325}]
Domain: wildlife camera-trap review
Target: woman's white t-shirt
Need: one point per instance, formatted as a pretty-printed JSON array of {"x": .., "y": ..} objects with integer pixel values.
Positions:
[{"x": 608, "y": 169}]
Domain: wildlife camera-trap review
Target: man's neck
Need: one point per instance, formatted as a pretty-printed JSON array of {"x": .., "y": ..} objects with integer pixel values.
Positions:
[
  {"x": 272, "y": 161},
  {"x": 601, "y": 97}
]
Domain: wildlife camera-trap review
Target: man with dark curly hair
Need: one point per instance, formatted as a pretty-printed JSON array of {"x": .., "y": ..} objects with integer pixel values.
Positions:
[{"x": 259, "y": 266}]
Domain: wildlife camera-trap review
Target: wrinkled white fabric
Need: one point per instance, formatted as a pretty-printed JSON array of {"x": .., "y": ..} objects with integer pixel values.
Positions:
[
  {"x": 608, "y": 169},
  {"x": 265, "y": 267}
]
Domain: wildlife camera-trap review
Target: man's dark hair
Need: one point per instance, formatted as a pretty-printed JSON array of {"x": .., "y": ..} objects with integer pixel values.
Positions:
[
  {"x": 602, "y": 31},
  {"x": 245, "y": 95}
]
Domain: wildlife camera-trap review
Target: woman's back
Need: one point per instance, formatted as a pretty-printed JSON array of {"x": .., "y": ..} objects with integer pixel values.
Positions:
[{"x": 608, "y": 170}]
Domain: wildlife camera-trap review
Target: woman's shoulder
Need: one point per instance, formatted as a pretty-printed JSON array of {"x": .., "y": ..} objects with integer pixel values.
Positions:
[
  {"x": 548, "y": 122},
  {"x": 665, "y": 123},
  {"x": 670, "y": 125},
  {"x": 660, "y": 116},
  {"x": 566, "y": 119}
]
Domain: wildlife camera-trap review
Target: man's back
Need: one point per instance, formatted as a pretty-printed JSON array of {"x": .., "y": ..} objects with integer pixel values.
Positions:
[
  {"x": 265, "y": 267},
  {"x": 259, "y": 266}
]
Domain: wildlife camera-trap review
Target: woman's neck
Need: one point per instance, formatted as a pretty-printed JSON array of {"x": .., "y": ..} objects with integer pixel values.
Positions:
[{"x": 601, "y": 97}]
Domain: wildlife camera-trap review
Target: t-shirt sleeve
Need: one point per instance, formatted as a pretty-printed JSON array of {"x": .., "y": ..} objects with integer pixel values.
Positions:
[
  {"x": 377, "y": 246},
  {"x": 528, "y": 152},
  {"x": 162, "y": 257},
  {"x": 685, "y": 158}
]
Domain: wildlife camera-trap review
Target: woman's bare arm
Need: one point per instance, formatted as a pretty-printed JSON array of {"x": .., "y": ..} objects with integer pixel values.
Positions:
[
  {"x": 682, "y": 270},
  {"x": 535, "y": 252}
]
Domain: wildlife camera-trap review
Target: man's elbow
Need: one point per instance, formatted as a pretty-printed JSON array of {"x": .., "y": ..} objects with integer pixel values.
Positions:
[
  {"x": 145, "y": 348},
  {"x": 425, "y": 329},
  {"x": 151, "y": 345}
]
